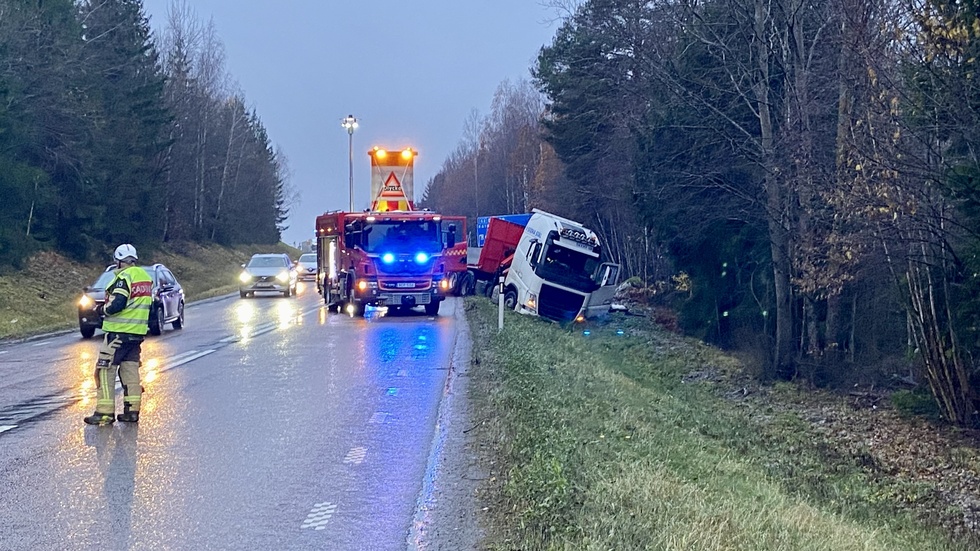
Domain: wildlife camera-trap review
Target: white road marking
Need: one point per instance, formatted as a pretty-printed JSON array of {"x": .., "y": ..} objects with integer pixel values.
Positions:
[
  {"x": 379, "y": 417},
  {"x": 355, "y": 456},
  {"x": 4, "y": 351},
  {"x": 403, "y": 373},
  {"x": 190, "y": 358},
  {"x": 319, "y": 516},
  {"x": 5, "y": 428}
]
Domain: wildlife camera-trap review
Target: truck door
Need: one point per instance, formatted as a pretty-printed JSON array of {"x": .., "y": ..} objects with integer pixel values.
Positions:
[{"x": 607, "y": 276}]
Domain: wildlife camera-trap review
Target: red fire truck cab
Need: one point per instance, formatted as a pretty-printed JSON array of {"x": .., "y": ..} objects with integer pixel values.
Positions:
[{"x": 394, "y": 259}]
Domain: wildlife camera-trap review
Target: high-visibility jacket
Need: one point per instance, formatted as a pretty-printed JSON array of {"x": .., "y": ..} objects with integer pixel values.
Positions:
[{"x": 137, "y": 286}]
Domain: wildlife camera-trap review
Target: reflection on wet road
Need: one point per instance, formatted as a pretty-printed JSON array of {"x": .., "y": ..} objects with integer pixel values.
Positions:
[{"x": 267, "y": 423}]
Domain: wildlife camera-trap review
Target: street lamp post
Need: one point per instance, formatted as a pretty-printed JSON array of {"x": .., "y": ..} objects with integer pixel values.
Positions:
[{"x": 350, "y": 123}]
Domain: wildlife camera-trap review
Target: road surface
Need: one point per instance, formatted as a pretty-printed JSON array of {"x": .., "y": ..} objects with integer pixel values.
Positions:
[{"x": 267, "y": 423}]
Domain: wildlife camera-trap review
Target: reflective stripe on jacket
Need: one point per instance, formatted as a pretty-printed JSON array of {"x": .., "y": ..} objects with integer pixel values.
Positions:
[{"x": 138, "y": 289}]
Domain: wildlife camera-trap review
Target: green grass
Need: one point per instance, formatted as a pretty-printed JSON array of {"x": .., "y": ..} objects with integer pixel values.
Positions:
[
  {"x": 625, "y": 442},
  {"x": 42, "y": 297}
]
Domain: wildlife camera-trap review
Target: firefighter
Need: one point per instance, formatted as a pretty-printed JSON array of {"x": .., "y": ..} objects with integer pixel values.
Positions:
[{"x": 127, "y": 313}]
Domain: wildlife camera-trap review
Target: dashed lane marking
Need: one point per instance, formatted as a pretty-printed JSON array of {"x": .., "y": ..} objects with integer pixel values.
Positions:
[
  {"x": 355, "y": 456},
  {"x": 403, "y": 373},
  {"x": 5, "y": 428},
  {"x": 189, "y": 358},
  {"x": 319, "y": 516},
  {"x": 379, "y": 417}
]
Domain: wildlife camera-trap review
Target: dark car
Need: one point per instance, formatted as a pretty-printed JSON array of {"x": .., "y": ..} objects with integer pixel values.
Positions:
[{"x": 168, "y": 301}]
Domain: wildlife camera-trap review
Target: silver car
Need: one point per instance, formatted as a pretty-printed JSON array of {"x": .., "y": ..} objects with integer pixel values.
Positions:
[
  {"x": 306, "y": 267},
  {"x": 267, "y": 272}
]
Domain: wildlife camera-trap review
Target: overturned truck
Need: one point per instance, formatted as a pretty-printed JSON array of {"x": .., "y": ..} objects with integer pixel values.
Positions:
[{"x": 551, "y": 266}]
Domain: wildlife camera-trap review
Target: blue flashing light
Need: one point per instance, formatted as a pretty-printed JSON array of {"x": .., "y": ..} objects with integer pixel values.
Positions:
[
  {"x": 620, "y": 332},
  {"x": 421, "y": 258},
  {"x": 586, "y": 332},
  {"x": 388, "y": 258}
]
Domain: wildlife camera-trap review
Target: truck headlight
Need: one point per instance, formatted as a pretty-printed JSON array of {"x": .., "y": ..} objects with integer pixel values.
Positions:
[{"x": 532, "y": 302}]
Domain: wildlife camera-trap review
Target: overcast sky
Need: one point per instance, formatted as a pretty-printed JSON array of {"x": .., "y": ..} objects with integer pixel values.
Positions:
[{"x": 410, "y": 72}]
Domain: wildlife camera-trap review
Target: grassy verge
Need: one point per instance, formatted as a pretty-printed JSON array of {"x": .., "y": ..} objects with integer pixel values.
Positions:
[
  {"x": 42, "y": 297},
  {"x": 629, "y": 441}
]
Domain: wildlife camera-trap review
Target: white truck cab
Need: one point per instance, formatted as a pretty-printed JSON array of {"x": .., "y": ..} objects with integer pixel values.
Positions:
[{"x": 557, "y": 273}]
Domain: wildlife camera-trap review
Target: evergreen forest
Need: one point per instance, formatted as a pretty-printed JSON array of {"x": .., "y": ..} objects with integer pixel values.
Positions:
[
  {"x": 798, "y": 180},
  {"x": 109, "y": 134}
]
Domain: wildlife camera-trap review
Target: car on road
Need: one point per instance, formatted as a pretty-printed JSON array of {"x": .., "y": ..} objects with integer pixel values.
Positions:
[
  {"x": 168, "y": 301},
  {"x": 306, "y": 267},
  {"x": 267, "y": 272}
]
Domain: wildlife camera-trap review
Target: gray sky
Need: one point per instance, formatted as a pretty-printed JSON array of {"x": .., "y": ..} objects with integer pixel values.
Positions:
[{"x": 410, "y": 72}]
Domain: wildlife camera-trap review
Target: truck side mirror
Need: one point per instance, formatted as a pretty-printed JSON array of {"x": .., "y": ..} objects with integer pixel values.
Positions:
[{"x": 451, "y": 238}]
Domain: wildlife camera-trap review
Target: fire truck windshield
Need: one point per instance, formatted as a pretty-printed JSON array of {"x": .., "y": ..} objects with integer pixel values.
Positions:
[{"x": 408, "y": 236}]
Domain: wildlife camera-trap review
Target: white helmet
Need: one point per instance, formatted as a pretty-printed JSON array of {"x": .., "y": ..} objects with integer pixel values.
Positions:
[{"x": 125, "y": 252}]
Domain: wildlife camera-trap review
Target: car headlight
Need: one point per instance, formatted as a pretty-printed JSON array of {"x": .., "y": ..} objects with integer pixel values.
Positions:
[
  {"x": 245, "y": 277},
  {"x": 86, "y": 302},
  {"x": 282, "y": 277}
]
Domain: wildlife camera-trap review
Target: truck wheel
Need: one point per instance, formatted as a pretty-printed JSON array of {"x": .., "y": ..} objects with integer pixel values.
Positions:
[
  {"x": 432, "y": 308},
  {"x": 467, "y": 285},
  {"x": 510, "y": 299},
  {"x": 489, "y": 286}
]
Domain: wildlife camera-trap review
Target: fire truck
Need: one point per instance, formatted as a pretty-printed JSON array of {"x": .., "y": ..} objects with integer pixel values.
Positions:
[
  {"x": 393, "y": 259},
  {"x": 390, "y": 255}
]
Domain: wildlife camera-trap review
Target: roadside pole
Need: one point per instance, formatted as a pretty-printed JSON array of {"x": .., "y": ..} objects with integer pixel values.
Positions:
[{"x": 500, "y": 305}]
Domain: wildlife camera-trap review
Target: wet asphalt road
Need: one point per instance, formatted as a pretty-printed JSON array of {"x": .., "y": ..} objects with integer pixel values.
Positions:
[{"x": 267, "y": 423}]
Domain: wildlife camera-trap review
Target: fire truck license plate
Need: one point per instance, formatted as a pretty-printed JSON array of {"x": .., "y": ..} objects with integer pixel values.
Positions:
[{"x": 403, "y": 285}]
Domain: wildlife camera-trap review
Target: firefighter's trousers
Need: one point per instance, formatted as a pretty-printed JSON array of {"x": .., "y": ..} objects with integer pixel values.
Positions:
[{"x": 119, "y": 351}]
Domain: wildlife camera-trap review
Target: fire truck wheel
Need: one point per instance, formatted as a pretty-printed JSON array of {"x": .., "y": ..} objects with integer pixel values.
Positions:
[{"x": 510, "y": 299}]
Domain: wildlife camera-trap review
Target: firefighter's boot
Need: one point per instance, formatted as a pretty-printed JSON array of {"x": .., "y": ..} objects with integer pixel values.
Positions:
[
  {"x": 128, "y": 416},
  {"x": 100, "y": 419}
]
